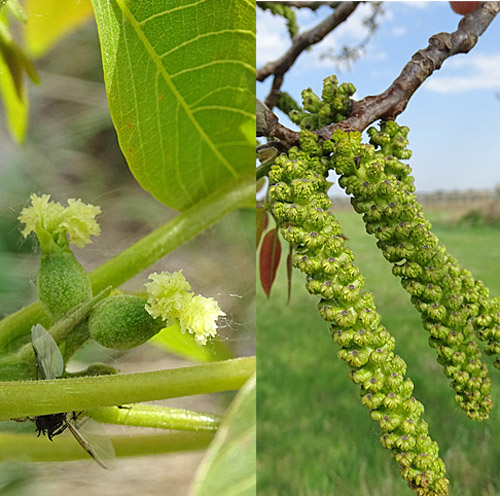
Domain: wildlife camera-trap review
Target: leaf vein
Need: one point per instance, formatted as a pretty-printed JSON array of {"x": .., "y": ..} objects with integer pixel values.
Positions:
[
  {"x": 214, "y": 92},
  {"x": 215, "y": 62},
  {"x": 166, "y": 12},
  {"x": 173, "y": 88},
  {"x": 225, "y": 109},
  {"x": 206, "y": 35}
]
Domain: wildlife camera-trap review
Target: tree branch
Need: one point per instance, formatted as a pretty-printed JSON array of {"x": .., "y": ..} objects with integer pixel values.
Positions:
[
  {"x": 275, "y": 92},
  {"x": 395, "y": 98},
  {"x": 309, "y": 5},
  {"x": 306, "y": 39}
]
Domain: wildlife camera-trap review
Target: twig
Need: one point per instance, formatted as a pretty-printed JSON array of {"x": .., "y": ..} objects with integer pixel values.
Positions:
[
  {"x": 275, "y": 92},
  {"x": 268, "y": 125},
  {"x": 394, "y": 99},
  {"x": 310, "y": 5},
  {"x": 306, "y": 39}
]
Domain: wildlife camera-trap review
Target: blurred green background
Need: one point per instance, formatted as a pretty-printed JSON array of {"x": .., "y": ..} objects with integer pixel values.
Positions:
[
  {"x": 315, "y": 438},
  {"x": 71, "y": 150}
]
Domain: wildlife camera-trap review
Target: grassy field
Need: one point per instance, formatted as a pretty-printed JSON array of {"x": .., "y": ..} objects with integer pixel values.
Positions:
[{"x": 315, "y": 437}]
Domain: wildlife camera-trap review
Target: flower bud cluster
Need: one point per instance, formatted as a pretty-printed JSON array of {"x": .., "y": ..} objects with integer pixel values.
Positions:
[
  {"x": 299, "y": 203},
  {"x": 446, "y": 295},
  {"x": 333, "y": 106}
]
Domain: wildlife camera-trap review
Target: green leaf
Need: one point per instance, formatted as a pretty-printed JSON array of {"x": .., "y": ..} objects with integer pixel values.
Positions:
[
  {"x": 14, "y": 101},
  {"x": 174, "y": 341},
  {"x": 181, "y": 86},
  {"x": 229, "y": 467},
  {"x": 49, "y": 20}
]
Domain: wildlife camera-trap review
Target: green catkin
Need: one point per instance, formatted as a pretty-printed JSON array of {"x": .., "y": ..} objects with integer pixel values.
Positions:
[
  {"x": 446, "y": 295},
  {"x": 487, "y": 327},
  {"x": 284, "y": 11},
  {"x": 333, "y": 106},
  {"x": 299, "y": 203}
]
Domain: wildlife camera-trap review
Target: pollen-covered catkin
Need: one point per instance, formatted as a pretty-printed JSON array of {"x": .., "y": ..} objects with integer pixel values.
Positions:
[
  {"x": 446, "y": 295},
  {"x": 299, "y": 203}
]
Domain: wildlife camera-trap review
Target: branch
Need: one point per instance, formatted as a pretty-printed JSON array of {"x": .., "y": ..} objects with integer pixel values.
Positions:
[
  {"x": 268, "y": 125},
  {"x": 34, "y": 398},
  {"x": 275, "y": 92},
  {"x": 310, "y": 5},
  {"x": 395, "y": 98},
  {"x": 306, "y": 39}
]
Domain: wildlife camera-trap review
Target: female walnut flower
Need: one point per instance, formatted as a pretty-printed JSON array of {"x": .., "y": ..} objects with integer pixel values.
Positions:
[
  {"x": 77, "y": 220},
  {"x": 170, "y": 297},
  {"x": 62, "y": 282}
]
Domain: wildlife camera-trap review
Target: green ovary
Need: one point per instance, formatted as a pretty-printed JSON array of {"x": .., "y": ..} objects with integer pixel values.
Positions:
[
  {"x": 62, "y": 282},
  {"x": 122, "y": 322}
]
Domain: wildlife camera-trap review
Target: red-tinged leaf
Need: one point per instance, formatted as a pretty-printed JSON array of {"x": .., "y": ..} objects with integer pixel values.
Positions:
[
  {"x": 270, "y": 254},
  {"x": 262, "y": 221},
  {"x": 289, "y": 267}
]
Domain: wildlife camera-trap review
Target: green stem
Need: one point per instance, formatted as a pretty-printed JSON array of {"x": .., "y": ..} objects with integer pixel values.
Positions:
[
  {"x": 65, "y": 448},
  {"x": 173, "y": 234},
  {"x": 157, "y": 417},
  {"x": 32, "y": 398},
  {"x": 59, "y": 330},
  {"x": 139, "y": 256}
]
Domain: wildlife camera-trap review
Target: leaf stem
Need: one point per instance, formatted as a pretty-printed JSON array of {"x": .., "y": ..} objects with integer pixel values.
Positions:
[
  {"x": 158, "y": 417},
  {"x": 32, "y": 398},
  {"x": 65, "y": 448}
]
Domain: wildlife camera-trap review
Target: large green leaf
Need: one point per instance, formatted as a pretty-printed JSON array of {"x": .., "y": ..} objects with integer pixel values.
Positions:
[
  {"x": 180, "y": 78},
  {"x": 49, "y": 20},
  {"x": 229, "y": 468}
]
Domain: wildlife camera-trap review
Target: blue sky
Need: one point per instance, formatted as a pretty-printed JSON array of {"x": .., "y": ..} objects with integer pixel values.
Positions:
[{"x": 454, "y": 118}]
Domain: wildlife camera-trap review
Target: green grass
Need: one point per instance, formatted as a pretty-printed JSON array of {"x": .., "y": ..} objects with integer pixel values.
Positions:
[{"x": 315, "y": 437}]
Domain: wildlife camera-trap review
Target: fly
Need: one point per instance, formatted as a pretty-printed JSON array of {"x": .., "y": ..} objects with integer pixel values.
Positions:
[{"x": 51, "y": 366}]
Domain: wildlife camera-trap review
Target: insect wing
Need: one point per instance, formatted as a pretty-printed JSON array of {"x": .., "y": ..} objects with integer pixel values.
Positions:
[
  {"x": 93, "y": 440},
  {"x": 47, "y": 354}
]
